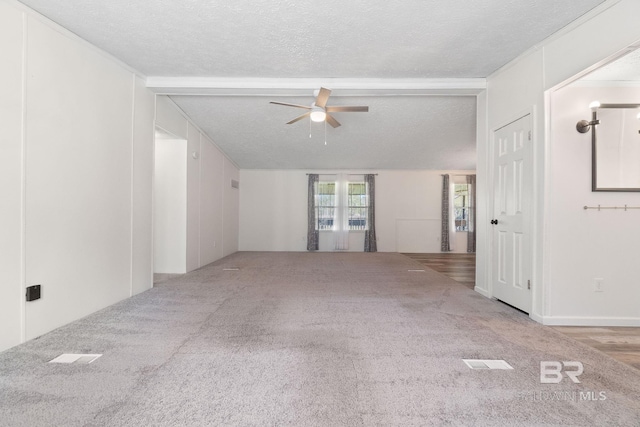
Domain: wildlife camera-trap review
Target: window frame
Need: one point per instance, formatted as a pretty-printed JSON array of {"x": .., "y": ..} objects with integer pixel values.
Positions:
[
  {"x": 325, "y": 222},
  {"x": 363, "y": 208},
  {"x": 326, "y": 201},
  {"x": 461, "y": 224}
]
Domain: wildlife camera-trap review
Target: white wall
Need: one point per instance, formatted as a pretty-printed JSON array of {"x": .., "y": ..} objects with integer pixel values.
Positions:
[
  {"x": 608, "y": 240},
  {"x": 76, "y": 169},
  {"x": 212, "y": 203},
  {"x": 142, "y": 184},
  {"x": 78, "y": 163},
  {"x": 408, "y": 211},
  {"x": 76, "y": 177},
  {"x": 170, "y": 206},
  {"x": 11, "y": 164},
  {"x": 170, "y": 119},
  {"x": 231, "y": 206},
  {"x": 193, "y": 177},
  {"x": 520, "y": 88},
  {"x": 484, "y": 203},
  {"x": 273, "y": 211},
  {"x": 211, "y": 226}
]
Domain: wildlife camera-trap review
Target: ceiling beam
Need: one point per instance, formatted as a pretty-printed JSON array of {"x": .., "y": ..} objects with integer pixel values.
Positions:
[{"x": 211, "y": 86}]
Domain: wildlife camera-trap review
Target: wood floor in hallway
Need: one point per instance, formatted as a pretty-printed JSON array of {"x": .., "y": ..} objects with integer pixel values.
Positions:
[
  {"x": 621, "y": 343},
  {"x": 459, "y": 267}
]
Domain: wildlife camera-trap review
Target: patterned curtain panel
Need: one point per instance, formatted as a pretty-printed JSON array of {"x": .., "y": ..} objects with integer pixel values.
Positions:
[
  {"x": 370, "y": 244},
  {"x": 446, "y": 215},
  {"x": 471, "y": 233},
  {"x": 312, "y": 232}
]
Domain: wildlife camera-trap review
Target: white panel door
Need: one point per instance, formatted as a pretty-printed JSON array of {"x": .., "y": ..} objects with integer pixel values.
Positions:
[{"x": 511, "y": 222}]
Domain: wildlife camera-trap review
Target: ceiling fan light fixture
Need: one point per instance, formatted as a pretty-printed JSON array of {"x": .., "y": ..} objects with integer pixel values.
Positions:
[
  {"x": 318, "y": 111},
  {"x": 318, "y": 114}
]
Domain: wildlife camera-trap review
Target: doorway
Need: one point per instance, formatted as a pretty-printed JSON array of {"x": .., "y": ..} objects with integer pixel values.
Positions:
[
  {"x": 169, "y": 207},
  {"x": 511, "y": 221}
]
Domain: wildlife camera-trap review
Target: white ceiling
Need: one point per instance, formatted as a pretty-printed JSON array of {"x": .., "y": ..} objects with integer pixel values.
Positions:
[
  {"x": 396, "y": 133},
  {"x": 237, "y": 56},
  {"x": 624, "y": 69}
]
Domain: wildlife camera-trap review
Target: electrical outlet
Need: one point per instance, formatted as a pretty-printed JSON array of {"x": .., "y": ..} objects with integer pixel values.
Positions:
[
  {"x": 598, "y": 285},
  {"x": 33, "y": 293},
  {"x": 214, "y": 243}
]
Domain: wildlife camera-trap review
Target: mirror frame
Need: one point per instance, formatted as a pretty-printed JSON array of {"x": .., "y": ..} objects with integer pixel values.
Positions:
[{"x": 594, "y": 152}]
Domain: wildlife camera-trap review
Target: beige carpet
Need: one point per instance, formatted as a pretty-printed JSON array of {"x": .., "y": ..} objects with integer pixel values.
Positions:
[{"x": 325, "y": 339}]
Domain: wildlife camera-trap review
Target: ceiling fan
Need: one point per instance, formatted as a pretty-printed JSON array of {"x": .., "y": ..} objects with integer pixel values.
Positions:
[{"x": 319, "y": 110}]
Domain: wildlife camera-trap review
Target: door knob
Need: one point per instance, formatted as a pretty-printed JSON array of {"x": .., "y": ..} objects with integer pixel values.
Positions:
[{"x": 494, "y": 221}]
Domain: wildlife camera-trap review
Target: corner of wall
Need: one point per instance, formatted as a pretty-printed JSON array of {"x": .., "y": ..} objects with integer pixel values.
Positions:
[{"x": 483, "y": 195}]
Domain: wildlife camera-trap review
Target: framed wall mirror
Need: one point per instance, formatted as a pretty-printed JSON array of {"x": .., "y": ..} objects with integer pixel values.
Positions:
[{"x": 616, "y": 148}]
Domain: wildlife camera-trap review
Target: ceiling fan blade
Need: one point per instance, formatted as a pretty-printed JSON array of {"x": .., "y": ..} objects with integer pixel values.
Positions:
[
  {"x": 323, "y": 97},
  {"x": 299, "y": 118},
  {"x": 333, "y": 122},
  {"x": 338, "y": 109},
  {"x": 290, "y": 105}
]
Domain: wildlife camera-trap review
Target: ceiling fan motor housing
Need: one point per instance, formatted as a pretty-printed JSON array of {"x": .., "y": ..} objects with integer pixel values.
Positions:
[{"x": 319, "y": 112}]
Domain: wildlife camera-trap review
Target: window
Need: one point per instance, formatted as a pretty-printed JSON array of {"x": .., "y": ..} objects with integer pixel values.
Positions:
[
  {"x": 326, "y": 203},
  {"x": 358, "y": 206},
  {"x": 461, "y": 206}
]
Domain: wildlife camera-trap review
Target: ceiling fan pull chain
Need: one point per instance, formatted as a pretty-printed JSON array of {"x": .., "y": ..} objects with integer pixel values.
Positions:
[
  {"x": 309, "y": 128},
  {"x": 325, "y": 132}
]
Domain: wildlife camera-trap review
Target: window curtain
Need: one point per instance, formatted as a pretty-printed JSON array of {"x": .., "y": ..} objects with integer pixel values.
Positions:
[
  {"x": 312, "y": 232},
  {"x": 341, "y": 218},
  {"x": 471, "y": 214},
  {"x": 447, "y": 215},
  {"x": 370, "y": 244}
]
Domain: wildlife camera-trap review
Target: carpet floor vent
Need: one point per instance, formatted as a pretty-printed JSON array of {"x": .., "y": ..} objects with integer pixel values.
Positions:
[
  {"x": 231, "y": 269},
  {"x": 486, "y": 364},
  {"x": 79, "y": 359},
  {"x": 416, "y": 270}
]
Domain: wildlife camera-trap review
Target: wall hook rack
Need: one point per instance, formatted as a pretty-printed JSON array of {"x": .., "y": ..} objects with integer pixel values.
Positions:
[{"x": 625, "y": 207}]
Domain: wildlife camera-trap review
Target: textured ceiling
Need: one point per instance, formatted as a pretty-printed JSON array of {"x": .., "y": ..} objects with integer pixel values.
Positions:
[
  {"x": 308, "y": 38},
  {"x": 396, "y": 133},
  {"x": 625, "y": 69},
  {"x": 332, "y": 39}
]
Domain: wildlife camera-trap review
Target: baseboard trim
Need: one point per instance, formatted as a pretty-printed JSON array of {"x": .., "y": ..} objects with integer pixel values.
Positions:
[
  {"x": 537, "y": 318},
  {"x": 482, "y": 292},
  {"x": 590, "y": 321}
]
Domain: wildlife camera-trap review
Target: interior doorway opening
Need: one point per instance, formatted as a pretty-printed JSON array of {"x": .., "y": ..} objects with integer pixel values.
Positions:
[{"x": 169, "y": 206}]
